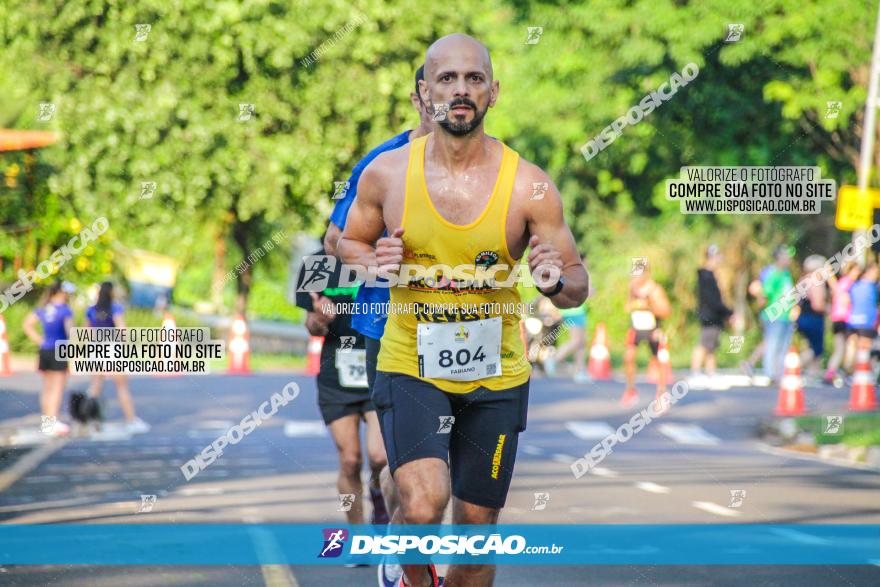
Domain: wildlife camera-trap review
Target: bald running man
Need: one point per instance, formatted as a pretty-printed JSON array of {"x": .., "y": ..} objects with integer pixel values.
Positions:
[{"x": 452, "y": 384}]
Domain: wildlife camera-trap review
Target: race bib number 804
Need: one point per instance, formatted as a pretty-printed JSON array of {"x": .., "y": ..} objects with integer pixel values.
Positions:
[{"x": 460, "y": 351}]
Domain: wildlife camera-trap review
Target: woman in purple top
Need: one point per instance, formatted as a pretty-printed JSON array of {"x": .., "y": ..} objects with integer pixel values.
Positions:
[
  {"x": 56, "y": 318},
  {"x": 108, "y": 314}
]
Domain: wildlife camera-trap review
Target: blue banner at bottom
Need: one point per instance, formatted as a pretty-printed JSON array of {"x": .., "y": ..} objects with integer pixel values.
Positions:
[{"x": 225, "y": 544}]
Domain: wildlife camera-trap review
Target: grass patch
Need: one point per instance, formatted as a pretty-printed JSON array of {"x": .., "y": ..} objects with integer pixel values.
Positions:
[{"x": 856, "y": 430}]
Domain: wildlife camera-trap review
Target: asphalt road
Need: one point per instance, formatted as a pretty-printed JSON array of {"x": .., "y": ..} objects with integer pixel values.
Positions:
[{"x": 680, "y": 469}]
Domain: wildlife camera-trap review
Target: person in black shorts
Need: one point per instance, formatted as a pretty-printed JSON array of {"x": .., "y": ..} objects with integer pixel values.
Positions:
[
  {"x": 343, "y": 393},
  {"x": 712, "y": 313},
  {"x": 56, "y": 319}
]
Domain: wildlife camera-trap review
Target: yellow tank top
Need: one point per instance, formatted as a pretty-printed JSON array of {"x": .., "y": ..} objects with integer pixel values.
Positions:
[{"x": 458, "y": 287}]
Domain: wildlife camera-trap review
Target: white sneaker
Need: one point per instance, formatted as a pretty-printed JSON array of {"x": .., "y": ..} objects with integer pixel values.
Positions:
[
  {"x": 60, "y": 429},
  {"x": 389, "y": 574},
  {"x": 137, "y": 426}
]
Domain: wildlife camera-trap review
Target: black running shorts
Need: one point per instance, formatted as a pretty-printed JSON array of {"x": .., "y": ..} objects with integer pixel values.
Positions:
[
  {"x": 337, "y": 402},
  {"x": 635, "y": 337},
  {"x": 475, "y": 433},
  {"x": 48, "y": 362}
]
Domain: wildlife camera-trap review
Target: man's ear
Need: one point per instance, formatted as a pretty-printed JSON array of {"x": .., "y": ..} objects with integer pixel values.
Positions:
[
  {"x": 423, "y": 91},
  {"x": 493, "y": 92}
]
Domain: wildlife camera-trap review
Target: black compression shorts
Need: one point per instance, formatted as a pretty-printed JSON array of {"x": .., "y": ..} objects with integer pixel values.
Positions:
[{"x": 475, "y": 433}]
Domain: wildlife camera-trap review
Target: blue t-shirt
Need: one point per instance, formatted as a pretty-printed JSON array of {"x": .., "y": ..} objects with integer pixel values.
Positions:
[
  {"x": 52, "y": 318},
  {"x": 372, "y": 325},
  {"x": 103, "y": 321},
  {"x": 864, "y": 304}
]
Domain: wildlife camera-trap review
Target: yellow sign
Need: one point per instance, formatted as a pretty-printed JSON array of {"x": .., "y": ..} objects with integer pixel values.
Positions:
[{"x": 855, "y": 207}]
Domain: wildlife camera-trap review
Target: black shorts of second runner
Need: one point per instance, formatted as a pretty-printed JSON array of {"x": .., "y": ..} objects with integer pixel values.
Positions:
[
  {"x": 636, "y": 337},
  {"x": 337, "y": 402},
  {"x": 479, "y": 445},
  {"x": 48, "y": 362}
]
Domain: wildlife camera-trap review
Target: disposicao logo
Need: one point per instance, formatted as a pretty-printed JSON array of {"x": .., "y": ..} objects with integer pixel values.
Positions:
[{"x": 334, "y": 541}]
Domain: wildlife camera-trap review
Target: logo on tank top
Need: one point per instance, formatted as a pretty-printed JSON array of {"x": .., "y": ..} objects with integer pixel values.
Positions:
[{"x": 486, "y": 259}]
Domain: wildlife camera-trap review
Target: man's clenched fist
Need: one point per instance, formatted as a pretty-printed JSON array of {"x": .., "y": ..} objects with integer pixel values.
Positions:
[
  {"x": 389, "y": 252},
  {"x": 545, "y": 263}
]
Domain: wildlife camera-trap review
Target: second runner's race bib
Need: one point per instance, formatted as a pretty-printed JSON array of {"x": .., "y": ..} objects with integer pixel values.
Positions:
[
  {"x": 352, "y": 367},
  {"x": 460, "y": 351}
]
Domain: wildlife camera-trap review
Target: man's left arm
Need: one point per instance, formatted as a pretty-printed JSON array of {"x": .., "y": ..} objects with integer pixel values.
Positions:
[{"x": 552, "y": 244}]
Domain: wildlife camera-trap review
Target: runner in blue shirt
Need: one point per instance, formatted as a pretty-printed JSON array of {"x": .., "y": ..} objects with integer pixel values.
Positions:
[
  {"x": 107, "y": 313},
  {"x": 373, "y": 325},
  {"x": 56, "y": 318}
]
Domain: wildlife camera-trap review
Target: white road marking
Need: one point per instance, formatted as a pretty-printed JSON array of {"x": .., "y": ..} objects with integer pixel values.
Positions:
[
  {"x": 26, "y": 463},
  {"x": 43, "y": 479},
  {"x": 603, "y": 472},
  {"x": 589, "y": 430},
  {"x": 25, "y": 436},
  {"x": 298, "y": 428},
  {"x": 561, "y": 458},
  {"x": 714, "y": 508},
  {"x": 688, "y": 434},
  {"x": 530, "y": 449},
  {"x": 652, "y": 487},
  {"x": 190, "y": 491}
]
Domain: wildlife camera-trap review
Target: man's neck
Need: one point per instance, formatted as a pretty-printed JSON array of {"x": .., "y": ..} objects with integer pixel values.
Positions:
[{"x": 458, "y": 154}]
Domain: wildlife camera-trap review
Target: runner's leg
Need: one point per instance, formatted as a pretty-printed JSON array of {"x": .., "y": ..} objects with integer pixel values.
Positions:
[
  {"x": 96, "y": 385},
  {"x": 482, "y": 455},
  {"x": 348, "y": 446},
  {"x": 471, "y": 575},
  {"x": 58, "y": 379},
  {"x": 423, "y": 489},
  {"x": 410, "y": 412},
  {"x": 380, "y": 490},
  {"x": 629, "y": 360},
  {"x": 124, "y": 394},
  {"x": 377, "y": 461},
  {"x": 389, "y": 490}
]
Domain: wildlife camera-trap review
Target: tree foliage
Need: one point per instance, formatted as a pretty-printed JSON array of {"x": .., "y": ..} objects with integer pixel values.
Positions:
[{"x": 167, "y": 109}]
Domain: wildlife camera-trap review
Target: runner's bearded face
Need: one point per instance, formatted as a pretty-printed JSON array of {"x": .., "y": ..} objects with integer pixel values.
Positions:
[{"x": 456, "y": 122}]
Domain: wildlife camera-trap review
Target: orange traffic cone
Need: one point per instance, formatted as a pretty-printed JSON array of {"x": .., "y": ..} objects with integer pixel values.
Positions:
[
  {"x": 4, "y": 349},
  {"x": 791, "y": 389},
  {"x": 862, "y": 397},
  {"x": 239, "y": 348},
  {"x": 600, "y": 359},
  {"x": 661, "y": 361},
  {"x": 313, "y": 357}
]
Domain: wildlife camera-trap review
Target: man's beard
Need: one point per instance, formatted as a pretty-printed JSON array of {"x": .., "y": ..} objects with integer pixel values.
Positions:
[{"x": 460, "y": 129}]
